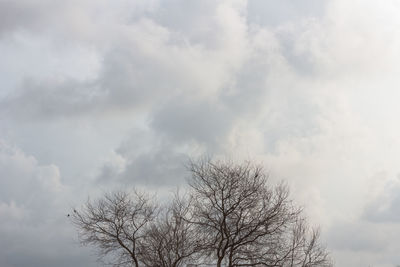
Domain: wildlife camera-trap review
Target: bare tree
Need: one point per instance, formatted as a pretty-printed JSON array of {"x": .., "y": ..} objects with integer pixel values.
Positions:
[
  {"x": 171, "y": 241},
  {"x": 299, "y": 247},
  {"x": 231, "y": 217},
  {"x": 116, "y": 224},
  {"x": 313, "y": 253},
  {"x": 246, "y": 222}
]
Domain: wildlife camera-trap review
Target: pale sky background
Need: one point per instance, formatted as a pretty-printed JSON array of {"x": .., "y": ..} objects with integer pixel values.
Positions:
[{"x": 101, "y": 94}]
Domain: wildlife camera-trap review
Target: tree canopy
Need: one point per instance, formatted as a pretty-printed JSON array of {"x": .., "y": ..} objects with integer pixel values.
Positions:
[{"x": 230, "y": 216}]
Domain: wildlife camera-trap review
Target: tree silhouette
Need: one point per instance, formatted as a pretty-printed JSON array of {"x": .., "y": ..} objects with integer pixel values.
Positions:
[{"x": 231, "y": 216}]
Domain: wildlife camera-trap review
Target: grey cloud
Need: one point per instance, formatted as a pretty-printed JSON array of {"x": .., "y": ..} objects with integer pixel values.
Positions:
[
  {"x": 272, "y": 13},
  {"x": 360, "y": 243},
  {"x": 43, "y": 245},
  {"x": 200, "y": 121},
  {"x": 142, "y": 63},
  {"x": 136, "y": 72},
  {"x": 50, "y": 99},
  {"x": 162, "y": 168},
  {"x": 158, "y": 155},
  {"x": 131, "y": 78},
  {"x": 357, "y": 237},
  {"x": 385, "y": 208},
  {"x": 24, "y": 181},
  {"x": 41, "y": 17},
  {"x": 194, "y": 21},
  {"x": 146, "y": 159},
  {"x": 126, "y": 82},
  {"x": 19, "y": 14},
  {"x": 183, "y": 119},
  {"x": 33, "y": 210}
]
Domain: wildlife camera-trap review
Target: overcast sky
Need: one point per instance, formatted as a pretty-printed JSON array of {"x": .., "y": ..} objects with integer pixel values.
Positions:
[{"x": 101, "y": 94}]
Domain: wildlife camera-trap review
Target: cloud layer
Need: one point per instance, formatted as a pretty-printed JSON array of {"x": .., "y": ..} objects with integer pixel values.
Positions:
[{"x": 97, "y": 95}]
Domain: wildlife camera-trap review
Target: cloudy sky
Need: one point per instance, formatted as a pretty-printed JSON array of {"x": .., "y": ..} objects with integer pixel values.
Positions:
[{"x": 100, "y": 94}]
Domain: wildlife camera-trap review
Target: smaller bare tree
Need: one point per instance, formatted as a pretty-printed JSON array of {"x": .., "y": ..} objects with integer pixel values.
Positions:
[
  {"x": 299, "y": 247},
  {"x": 116, "y": 224},
  {"x": 313, "y": 253}
]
